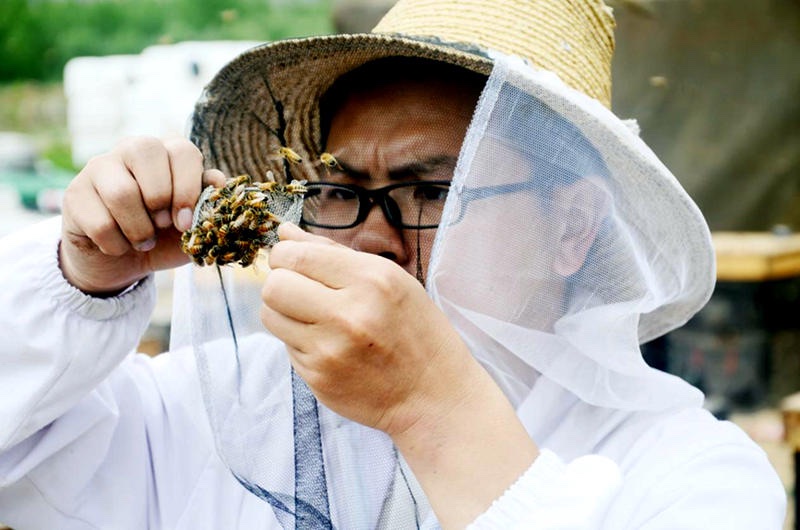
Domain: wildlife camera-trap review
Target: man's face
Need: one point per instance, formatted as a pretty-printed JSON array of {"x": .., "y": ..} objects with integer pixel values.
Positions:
[{"x": 403, "y": 133}]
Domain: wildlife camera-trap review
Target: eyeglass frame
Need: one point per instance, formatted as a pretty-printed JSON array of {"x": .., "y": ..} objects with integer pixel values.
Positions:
[{"x": 368, "y": 198}]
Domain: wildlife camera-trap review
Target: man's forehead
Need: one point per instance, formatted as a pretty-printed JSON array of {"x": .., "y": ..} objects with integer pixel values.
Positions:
[{"x": 398, "y": 79}]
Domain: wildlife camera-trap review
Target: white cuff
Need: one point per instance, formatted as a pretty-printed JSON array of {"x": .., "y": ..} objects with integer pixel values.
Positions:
[
  {"x": 59, "y": 343},
  {"x": 551, "y": 494}
]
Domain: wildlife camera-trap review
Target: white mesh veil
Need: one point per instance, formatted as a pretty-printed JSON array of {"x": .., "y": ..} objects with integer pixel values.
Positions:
[{"x": 564, "y": 244}]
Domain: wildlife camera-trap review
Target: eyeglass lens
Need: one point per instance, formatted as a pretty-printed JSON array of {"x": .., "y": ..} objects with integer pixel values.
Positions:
[{"x": 406, "y": 205}]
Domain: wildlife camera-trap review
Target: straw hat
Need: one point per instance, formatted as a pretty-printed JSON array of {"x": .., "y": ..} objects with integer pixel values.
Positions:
[
  {"x": 239, "y": 131},
  {"x": 268, "y": 98}
]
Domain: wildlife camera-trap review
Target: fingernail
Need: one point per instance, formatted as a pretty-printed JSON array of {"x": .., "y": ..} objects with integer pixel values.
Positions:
[
  {"x": 162, "y": 218},
  {"x": 146, "y": 246},
  {"x": 184, "y": 219}
]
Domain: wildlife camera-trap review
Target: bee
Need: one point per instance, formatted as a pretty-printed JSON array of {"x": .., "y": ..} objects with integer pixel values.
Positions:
[
  {"x": 329, "y": 161},
  {"x": 228, "y": 257},
  {"x": 237, "y": 181},
  {"x": 296, "y": 187},
  {"x": 269, "y": 220},
  {"x": 243, "y": 245},
  {"x": 249, "y": 257},
  {"x": 256, "y": 199},
  {"x": 269, "y": 185},
  {"x": 245, "y": 217},
  {"x": 214, "y": 195},
  {"x": 290, "y": 155},
  {"x": 192, "y": 247}
]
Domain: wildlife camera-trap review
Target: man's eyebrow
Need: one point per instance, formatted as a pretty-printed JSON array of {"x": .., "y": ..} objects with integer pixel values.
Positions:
[
  {"x": 423, "y": 167},
  {"x": 405, "y": 170},
  {"x": 352, "y": 172}
]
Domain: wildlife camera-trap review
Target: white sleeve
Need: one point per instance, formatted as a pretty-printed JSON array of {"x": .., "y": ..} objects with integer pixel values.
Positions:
[
  {"x": 689, "y": 473},
  {"x": 93, "y": 436},
  {"x": 61, "y": 426},
  {"x": 58, "y": 343},
  {"x": 555, "y": 495}
]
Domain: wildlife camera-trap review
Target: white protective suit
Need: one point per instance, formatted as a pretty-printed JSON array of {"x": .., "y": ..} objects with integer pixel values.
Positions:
[{"x": 94, "y": 436}]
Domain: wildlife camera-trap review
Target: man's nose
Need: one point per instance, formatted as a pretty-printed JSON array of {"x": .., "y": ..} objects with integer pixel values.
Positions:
[{"x": 376, "y": 236}]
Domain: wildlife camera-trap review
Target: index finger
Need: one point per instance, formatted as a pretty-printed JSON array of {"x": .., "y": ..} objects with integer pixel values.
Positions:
[
  {"x": 290, "y": 231},
  {"x": 148, "y": 163},
  {"x": 186, "y": 168},
  {"x": 330, "y": 265}
]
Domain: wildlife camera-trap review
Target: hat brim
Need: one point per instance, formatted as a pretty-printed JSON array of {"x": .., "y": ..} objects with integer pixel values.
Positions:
[
  {"x": 236, "y": 123},
  {"x": 268, "y": 97}
]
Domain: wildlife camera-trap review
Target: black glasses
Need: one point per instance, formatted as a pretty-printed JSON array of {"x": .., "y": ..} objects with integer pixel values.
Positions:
[{"x": 406, "y": 205}]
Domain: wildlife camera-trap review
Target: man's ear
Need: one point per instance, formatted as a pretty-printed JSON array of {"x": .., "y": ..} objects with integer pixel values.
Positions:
[{"x": 583, "y": 205}]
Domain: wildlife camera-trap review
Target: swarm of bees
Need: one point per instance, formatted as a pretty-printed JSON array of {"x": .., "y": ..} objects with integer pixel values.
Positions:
[{"x": 231, "y": 224}]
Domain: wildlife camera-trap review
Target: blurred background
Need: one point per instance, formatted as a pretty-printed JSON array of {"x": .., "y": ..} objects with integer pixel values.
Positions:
[{"x": 714, "y": 85}]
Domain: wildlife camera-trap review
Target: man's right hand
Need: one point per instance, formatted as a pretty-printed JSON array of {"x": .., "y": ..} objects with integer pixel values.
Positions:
[{"x": 123, "y": 214}]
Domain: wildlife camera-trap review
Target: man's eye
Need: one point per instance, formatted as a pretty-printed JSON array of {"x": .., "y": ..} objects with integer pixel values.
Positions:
[
  {"x": 340, "y": 194},
  {"x": 430, "y": 193}
]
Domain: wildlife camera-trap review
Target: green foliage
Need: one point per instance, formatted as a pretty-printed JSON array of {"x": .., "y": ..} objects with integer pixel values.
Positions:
[
  {"x": 59, "y": 153},
  {"x": 39, "y": 110},
  {"x": 38, "y": 37},
  {"x": 33, "y": 107},
  {"x": 21, "y": 42}
]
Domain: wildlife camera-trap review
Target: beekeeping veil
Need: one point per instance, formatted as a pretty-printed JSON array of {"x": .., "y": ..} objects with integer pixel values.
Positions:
[{"x": 563, "y": 245}]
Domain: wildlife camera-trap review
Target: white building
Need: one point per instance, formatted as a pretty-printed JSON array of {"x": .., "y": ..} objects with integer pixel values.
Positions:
[{"x": 153, "y": 93}]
